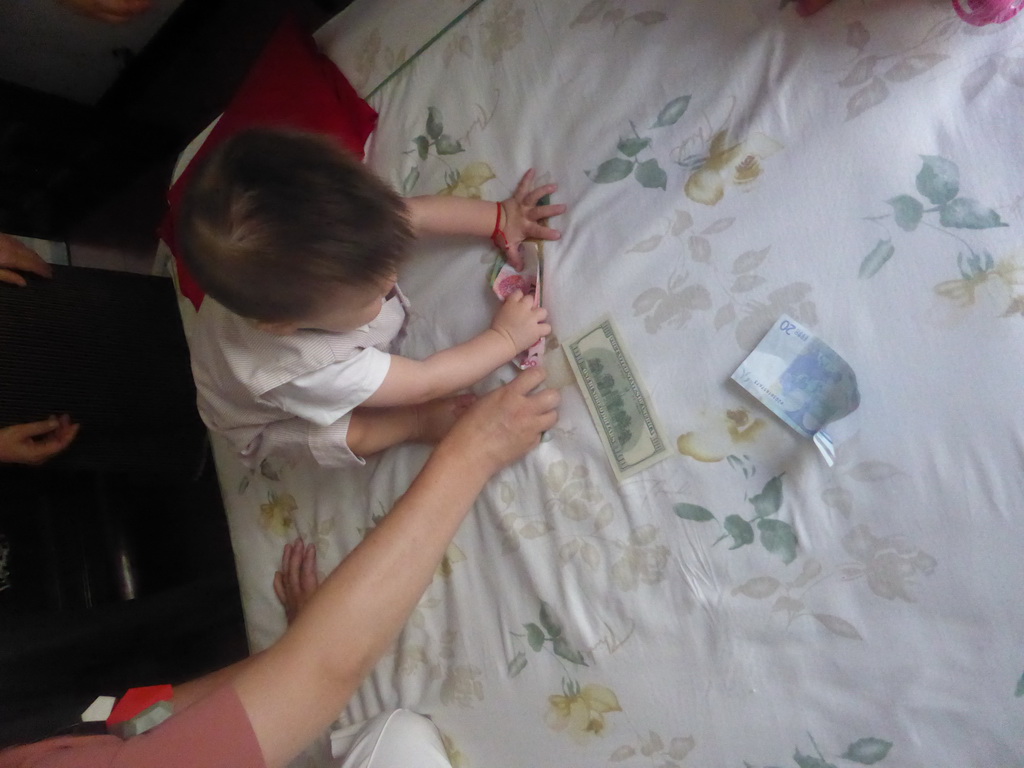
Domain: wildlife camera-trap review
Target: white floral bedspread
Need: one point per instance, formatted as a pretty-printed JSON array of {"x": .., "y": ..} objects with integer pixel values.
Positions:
[{"x": 739, "y": 604}]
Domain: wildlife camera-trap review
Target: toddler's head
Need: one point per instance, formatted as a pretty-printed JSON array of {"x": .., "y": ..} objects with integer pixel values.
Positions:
[{"x": 280, "y": 227}]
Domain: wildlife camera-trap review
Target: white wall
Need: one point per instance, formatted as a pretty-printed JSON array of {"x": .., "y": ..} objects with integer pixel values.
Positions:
[{"x": 48, "y": 47}]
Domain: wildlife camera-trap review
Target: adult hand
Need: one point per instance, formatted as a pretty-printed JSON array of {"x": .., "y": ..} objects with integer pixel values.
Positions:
[
  {"x": 36, "y": 442},
  {"x": 15, "y": 255},
  {"x": 110, "y": 11},
  {"x": 505, "y": 424}
]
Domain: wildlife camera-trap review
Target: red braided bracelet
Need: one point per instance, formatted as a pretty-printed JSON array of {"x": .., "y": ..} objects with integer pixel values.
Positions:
[{"x": 503, "y": 245}]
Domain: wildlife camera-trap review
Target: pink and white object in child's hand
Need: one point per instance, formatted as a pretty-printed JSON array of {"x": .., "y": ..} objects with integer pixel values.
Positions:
[
  {"x": 982, "y": 12},
  {"x": 507, "y": 280}
]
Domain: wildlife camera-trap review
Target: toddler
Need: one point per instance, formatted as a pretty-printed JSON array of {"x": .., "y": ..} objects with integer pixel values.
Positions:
[{"x": 297, "y": 245}]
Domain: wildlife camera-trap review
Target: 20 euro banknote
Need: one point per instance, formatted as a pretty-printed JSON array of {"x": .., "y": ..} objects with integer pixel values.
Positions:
[
  {"x": 802, "y": 380},
  {"x": 617, "y": 399}
]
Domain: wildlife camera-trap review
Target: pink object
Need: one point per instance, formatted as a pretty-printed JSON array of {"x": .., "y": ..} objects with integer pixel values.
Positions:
[
  {"x": 982, "y": 12},
  {"x": 508, "y": 280}
]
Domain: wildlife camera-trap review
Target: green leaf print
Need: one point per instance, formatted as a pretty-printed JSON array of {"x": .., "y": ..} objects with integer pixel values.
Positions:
[
  {"x": 647, "y": 18},
  {"x": 517, "y": 665},
  {"x": 693, "y": 512},
  {"x": 808, "y": 761},
  {"x": 938, "y": 179},
  {"x": 435, "y": 125},
  {"x": 965, "y": 213},
  {"x": 562, "y": 649},
  {"x": 1020, "y": 687},
  {"x": 651, "y": 176},
  {"x": 907, "y": 211},
  {"x": 867, "y": 751},
  {"x": 741, "y": 531},
  {"x": 779, "y": 538},
  {"x": 410, "y": 180},
  {"x": 549, "y": 621},
  {"x": 633, "y": 145},
  {"x": 671, "y": 112},
  {"x": 534, "y": 636},
  {"x": 446, "y": 145},
  {"x": 875, "y": 260},
  {"x": 422, "y": 146},
  {"x": 768, "y": 501},
  {"x": 615, "y": 169}
]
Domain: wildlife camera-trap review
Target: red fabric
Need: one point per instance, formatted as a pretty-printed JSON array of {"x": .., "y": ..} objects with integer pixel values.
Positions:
[
  {"x": 138, "y": 700},
  {"x": 213, "y": 733},
  {"x": 291, "y": 85}
]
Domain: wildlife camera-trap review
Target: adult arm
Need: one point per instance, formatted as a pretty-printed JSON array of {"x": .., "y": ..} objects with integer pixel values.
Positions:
[{"x": 297, "y": 687}]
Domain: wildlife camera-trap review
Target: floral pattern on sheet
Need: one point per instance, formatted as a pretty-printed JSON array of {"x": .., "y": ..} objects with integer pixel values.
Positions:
[
  {"x": 651, "y": 749},
  {"x": 776, "y": 536},
  {"x": 277, "y": 512},
  {"x": 722, "y": 436},
  {"x": 616, "y": 14},
  {"x": 712, "y": 163},
  {"x": 733, "y": 287},
  {"x": 877, "y": 73},
  {"x": 727, "y": 163},
  {"x": 889, "y": 565},
  {"x": 579, "y": 711},
  {"x": 435, "y": 146},
  {"x": 374, "y": 61},
  {"x": 630, "y": 149},
  {"x": 983, "y": 279},
  {"x": 502, "y": 29},
  {"x": 864, "y": 751},
  {"x": 638, "y": 558}
]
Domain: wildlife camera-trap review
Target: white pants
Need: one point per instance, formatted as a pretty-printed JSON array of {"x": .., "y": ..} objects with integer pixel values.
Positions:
[{"x": 400, "y": 739}]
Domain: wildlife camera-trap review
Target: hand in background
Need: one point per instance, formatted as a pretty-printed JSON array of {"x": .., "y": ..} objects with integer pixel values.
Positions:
[
  {"x": 14, "y": 255},
  {"x": 522, "y": 217},
  {"x": 521, "y": 321},
  {"x": 110, "y": 11},
  {"x": 36, "y": 442},
  {"x": 296, "y": 582}
]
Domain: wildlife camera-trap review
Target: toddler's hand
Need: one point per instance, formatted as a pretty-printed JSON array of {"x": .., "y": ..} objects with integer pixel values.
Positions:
[
  {"x": 521, "y": 322},
  {"x": 523, "y": 218},
  {"x": 296, "y": 582}
]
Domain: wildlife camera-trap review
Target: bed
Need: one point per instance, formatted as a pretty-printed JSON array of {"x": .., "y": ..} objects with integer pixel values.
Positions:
[{"x": 860, "y": 171}]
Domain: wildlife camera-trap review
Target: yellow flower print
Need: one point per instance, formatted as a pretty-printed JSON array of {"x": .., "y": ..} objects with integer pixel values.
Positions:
[
  {"x": 277, "y": 515},
  {"x": 469, "y": 180},
  {"x": 996, "y": 288},
  {"x": 580, "y": 712},
  {"x": 720, "y": 436},
  {"x": 736, "y": 164}
]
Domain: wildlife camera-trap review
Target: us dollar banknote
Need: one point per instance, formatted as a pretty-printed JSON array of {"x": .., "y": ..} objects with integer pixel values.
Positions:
[{"x": 617, "y": 399}]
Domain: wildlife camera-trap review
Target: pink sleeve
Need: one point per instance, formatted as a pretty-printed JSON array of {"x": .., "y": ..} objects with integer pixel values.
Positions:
[{"x": 213, "y": 733}]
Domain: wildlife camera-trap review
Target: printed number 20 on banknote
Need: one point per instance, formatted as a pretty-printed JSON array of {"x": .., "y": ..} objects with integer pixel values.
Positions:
[{"x": 617, "y": 400}]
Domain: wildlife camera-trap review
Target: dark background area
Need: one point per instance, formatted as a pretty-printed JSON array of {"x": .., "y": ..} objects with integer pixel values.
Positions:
[
  {"x": 97, "y": 174},
  {"x": 119, "y": 578}
]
